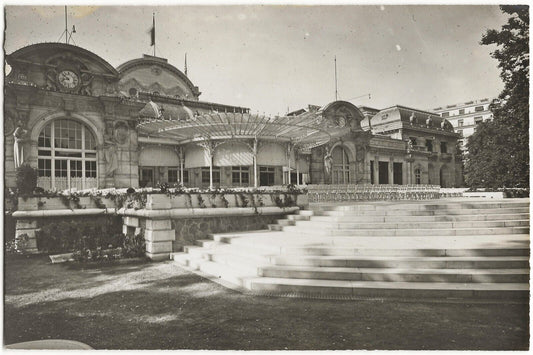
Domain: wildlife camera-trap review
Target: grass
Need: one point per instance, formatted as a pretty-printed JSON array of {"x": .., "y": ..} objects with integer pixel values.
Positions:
[{"x": 161, "y": 306}]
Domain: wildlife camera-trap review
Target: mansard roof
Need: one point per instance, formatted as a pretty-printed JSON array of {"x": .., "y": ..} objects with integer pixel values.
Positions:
[{"x": 409, "y": 117}]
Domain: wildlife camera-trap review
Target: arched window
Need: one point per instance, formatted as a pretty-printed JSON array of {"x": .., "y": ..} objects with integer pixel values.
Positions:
[
  {"x": 66, "y": 156},
  {"x": 340, "y": 166},
  {"x": 418, "y": 175}
]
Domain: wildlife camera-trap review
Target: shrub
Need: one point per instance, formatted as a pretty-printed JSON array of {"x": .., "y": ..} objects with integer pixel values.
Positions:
[
  {"x": 133, "y": 246},
  {"x": 17, "y": 245},
  {"x": 26, "y": 179},
  {"x": 69, "y": 236}
]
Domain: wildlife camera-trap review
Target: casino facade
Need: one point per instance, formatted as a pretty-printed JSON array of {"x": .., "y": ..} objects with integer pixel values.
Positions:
[{"x": 84, "y": 124}]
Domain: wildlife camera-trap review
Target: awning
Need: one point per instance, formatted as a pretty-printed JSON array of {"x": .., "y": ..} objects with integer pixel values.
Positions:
[{"x": 304, "y": 131}]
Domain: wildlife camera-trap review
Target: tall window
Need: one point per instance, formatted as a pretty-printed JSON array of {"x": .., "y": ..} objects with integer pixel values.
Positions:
[
  {"x": 340, "y": 166},
  {"x": 460, "y": 123},
  {"x": 418, "y": 175},
  {"x": 429, "y": 145},
  {"x": 443, "y": 147},
  {"x": 66, "y": 156},
  {"x": 240, "y": 175},
  {"x": 173, "y": 175}
]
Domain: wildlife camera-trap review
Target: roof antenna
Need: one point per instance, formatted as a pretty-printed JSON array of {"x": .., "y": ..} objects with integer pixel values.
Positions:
[{"x": 68, "y": 35}]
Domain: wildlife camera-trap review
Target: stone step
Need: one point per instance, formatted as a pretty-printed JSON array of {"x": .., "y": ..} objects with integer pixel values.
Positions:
[
  {"x": 422, "y": 206},
  {"x": 244, "y": 247},
  {"x": 402, "y": 212},
  {"x": 279, "y": 242},
  {"x": 236, "y": 259},
  {"x": 441, "y": 218},
  {"x": 452, "y": 262},
  {"x": 493, "y": 245},
  {"x": 346, "y": 250},
  {"x": 389, "y": 289},
  {"x": 391, "y": 275},
  {"x": 411, "y": 225},
  {"x": 275, "y": 227},
  {"x": 248, "y": 234},
  {"x": 429, "y": 232},
  {"x": 298, "y": 217},
  {"x": 305, "y": 212},
  {"x": 286, "y": 222},
  {"x": 418, "y": 249}
]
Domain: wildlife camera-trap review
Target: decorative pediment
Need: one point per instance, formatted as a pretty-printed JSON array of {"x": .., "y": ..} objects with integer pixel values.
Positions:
[{"x": 342, "y": 114}]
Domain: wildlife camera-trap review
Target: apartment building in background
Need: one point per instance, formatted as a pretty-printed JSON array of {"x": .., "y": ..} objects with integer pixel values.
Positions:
[{"x": 465, "y": 116}]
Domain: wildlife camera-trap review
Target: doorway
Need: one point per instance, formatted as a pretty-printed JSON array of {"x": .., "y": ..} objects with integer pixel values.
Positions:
[{"x": 383, "y": 172}]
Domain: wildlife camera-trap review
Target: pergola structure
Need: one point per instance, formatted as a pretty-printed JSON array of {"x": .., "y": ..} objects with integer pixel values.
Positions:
[{"x": 181, "y": 126}]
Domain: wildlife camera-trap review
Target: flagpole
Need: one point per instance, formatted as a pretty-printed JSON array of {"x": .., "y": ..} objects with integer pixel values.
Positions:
[
  {"x": 336, "y": 94},
  {"x": 185, "y": 63},
  {"x": 66, "y": 26},
  {"x": 153, "y": 23}
]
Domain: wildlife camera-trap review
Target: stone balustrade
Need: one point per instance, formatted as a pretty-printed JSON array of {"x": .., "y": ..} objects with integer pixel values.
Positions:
[{"x": 328, "y": 193}]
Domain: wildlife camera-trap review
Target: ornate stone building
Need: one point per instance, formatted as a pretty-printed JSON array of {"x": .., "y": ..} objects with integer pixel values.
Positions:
[{"x": 84, "y": 124}]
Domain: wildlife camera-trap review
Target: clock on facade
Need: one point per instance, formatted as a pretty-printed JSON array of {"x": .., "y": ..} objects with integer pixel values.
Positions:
[
  {"x": 341, "y": 121},
  {"x": 68, "y": 79}
]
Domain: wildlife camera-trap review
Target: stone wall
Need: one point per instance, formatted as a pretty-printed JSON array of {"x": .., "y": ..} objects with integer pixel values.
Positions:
[
  {"x": 168, "y": 222},
  {"x": 189, "y": 230}
]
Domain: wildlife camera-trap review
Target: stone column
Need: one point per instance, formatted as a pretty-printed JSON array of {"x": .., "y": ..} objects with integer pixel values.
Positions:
[
  {"x": 210, "y": 147},
  {"x": 289, "y": 150},
  {"x": 27, "y": 227},
  {"x": 254, "y": 152},
  {"x": 158, "y": 232},
  {"x": 296, "y": 156},
  {"x": 376, "y": 170},
  {"x": 182, "y": 163}
]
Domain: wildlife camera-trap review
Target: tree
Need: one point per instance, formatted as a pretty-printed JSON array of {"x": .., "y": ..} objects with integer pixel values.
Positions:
[{"x": 498, "y": 152}]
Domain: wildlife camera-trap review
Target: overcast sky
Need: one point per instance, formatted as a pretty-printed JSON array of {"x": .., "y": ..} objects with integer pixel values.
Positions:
[{"x": 270, "y": 58}]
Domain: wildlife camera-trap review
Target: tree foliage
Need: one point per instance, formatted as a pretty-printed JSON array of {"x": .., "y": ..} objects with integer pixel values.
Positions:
[{"x": 498, "y": 152}]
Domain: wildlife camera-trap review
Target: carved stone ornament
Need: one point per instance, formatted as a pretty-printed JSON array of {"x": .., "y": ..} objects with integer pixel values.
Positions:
[
  {"x": 155, "y": 70},
  {"x": 68, "y": 74},
  {"x": 121, "y": 132}
]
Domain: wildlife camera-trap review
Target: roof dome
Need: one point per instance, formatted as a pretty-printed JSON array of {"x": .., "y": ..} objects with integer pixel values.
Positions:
[{"x": 155, "y": 75}]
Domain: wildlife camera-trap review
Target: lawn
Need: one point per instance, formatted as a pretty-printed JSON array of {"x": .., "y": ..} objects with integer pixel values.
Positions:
[{"x": 146, "y": 305}]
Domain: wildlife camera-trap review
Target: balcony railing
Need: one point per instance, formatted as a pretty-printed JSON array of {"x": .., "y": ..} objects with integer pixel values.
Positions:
[{"x": 328, "y": 193}]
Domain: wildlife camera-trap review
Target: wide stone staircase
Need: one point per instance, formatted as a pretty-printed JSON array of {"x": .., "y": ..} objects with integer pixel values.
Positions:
[{"x": 450, "y": 248}]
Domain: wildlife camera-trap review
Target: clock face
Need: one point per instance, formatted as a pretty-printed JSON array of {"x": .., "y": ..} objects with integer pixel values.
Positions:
[{"x": 68, "y": 79}]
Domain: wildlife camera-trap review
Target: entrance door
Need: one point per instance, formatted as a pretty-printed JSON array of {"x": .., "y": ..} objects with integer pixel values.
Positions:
[
  {"x": 341, "y": 166},
  {"x": 397, "y": 173},
  {"x": 383, "y": 172}
]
